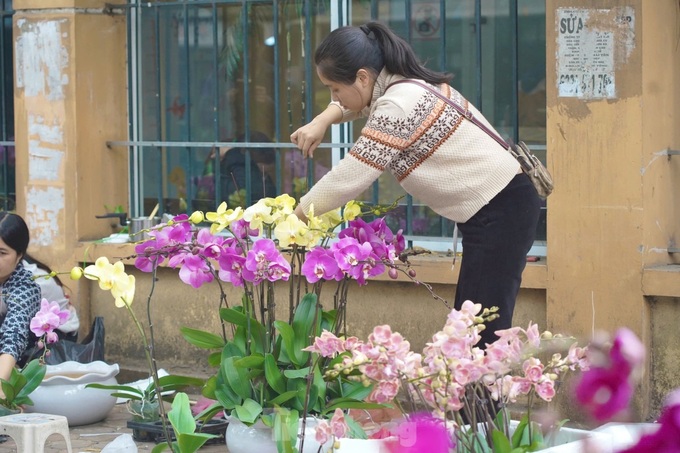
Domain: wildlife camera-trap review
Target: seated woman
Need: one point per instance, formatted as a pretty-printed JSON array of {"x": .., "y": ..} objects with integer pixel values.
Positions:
[
  {"x": 52, "y": 289},
  {"x": 19, "y": 293}
]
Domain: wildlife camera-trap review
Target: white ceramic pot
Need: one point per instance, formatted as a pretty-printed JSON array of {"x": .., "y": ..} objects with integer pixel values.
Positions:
[
  {"x": 259, "y": 438},
  {"x": 63, "y": 392}
]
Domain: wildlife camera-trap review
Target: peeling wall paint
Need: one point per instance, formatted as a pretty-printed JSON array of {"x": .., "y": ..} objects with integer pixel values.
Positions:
[
  {"x": 44, "y": 162},
  {"x": 41, "y": 59},
  {"x": 43, "y": 206}
]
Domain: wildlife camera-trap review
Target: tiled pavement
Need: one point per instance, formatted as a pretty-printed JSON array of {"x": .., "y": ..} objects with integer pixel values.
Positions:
[{"x": 94, "y": 437}]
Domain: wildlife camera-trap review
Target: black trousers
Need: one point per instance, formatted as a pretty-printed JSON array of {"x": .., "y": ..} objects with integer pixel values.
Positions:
[{"x": 495, "y": 243}]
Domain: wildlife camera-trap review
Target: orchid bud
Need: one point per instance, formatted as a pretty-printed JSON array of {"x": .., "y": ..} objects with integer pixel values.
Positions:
[
  {"x": 412, "y": 273},
  {"x": 76, "y": 273},
  {"x": 196, "y": 217},
  {"x": 393, "y": 273},
  {"x": 547, "y": 335}
]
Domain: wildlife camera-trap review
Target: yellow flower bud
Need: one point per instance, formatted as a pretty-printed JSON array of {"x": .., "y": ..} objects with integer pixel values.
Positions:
[
  {"x": 76, "y": 273},
  {"x": 336, "y": 445},
  {"x": 196, "y": 217},
  {"x": 547, "y": 335}
]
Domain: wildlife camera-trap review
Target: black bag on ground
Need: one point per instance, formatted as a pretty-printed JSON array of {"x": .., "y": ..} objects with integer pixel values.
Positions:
[{"x": 91, "y": 349}]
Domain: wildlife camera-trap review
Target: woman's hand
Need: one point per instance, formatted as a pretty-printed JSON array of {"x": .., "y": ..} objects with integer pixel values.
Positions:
[{"x": 309, "y": 136}]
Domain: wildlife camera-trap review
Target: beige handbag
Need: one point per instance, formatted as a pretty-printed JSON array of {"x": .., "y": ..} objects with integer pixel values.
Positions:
[{"x": 531, "y": 165}]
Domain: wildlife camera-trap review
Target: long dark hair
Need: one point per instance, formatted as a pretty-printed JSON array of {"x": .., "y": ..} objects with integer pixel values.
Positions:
[
  {"x": 14, "y": 232},
  {"x": 371, "y": 46}
]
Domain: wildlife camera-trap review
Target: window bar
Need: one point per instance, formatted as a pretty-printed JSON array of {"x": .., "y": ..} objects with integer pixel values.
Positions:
[
  {"x": 375, "y": 187},
  {"x": 514, "y": 107},
  {"x": 308, "y": 80},
  {"x": 160, "y": 116},
  {"x": 374, "y": 9},
  {"x": 478, "y": 56},
  {"x": 277, "y": 94},
  {"x": 442, "y": 67},
  {"x": 132, "y": 16},
  {"x": 4, "y": 136},
  {"x": 187, "y": 92},
  {"x": 217, "y": 170},
  {"x": 246, "y": 97},
  {"x": 442, "y": 36}
]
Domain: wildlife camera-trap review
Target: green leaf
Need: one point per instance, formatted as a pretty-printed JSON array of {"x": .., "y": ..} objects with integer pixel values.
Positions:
[
  {"x": 214, "y": 359},
  {"x": 252, "y": 361},
  {"x": 284, "y": 397},
  {"x": 180, "y": 415},
  {"x": 273, "y": 375},
  {"x": 295, "y": 374},
  {"x": 238, "y": 318},
  {"x": 161, "y": 447},
  {"x": 236, "y": 378},
  {"x": 304, "y": 326},
  {"x": 202, "y": 339},
  {"x": 357, "y": 391},
  {"x": 189, "y": 443},
  {"x": 285, "y": 430},
  {"x": 122, "y": 391},
  {"x": 518, "y": 435},
  {"x": 501, "y": 444},
  {"x": 248, "y": 411},
  {"x": 344, "y": 403},
  {"x": 287, "y": 333},
  {"x": 355, "y": 429},
  {"x": 32, "y": 375}
]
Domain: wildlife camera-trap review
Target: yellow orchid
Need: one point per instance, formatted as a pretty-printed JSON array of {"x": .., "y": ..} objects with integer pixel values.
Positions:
[
  {"x": 223, "y": 217},
  {"x": 352, "y": 210},
  {"x": 330, "y": 220},
  {"x": 124, "y": 291},
  {"x": 292, "y": 231},
  {"x": 285, "y": 203},
  {"x": 196, "y": 217},
  {"x": 112, "y": 277},
  {"x": 258, "y": 214}
]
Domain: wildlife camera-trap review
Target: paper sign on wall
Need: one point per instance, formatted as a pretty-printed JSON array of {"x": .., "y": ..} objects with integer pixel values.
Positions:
[{"x": 591, "y": 45}]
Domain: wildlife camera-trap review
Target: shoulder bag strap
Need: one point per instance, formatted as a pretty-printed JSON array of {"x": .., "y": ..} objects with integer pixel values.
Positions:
[{"x": 466, "y": 113}]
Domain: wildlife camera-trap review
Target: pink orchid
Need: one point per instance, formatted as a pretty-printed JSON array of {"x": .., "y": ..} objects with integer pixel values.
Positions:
[
  {"x": 322, "y": 432},
  {"x": 327, "y": 345},
  {"x": 339, "y": 426},
  {"x": 48, "y": 318}
]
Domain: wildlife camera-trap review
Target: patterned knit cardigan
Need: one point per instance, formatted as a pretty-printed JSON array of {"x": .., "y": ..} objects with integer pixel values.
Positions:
[{"x": 438, "y": 156}]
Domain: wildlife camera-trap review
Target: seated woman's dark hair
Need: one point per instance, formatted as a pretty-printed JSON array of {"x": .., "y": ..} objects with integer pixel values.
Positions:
[
  {"x": 372, "y": 46},
  {"x": 14, "y": 232}
]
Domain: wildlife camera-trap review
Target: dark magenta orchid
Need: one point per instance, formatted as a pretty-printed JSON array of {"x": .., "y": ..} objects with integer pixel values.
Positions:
[
  {"x": 320, "y": 264},
  {"x": 667, "y": 438}
]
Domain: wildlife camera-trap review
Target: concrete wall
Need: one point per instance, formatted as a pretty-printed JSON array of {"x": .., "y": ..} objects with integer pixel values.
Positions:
[{"x": 612, "y": 220}]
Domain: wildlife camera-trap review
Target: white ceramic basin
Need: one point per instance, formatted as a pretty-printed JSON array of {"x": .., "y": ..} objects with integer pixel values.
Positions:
[{"x": 63, "y": 392}]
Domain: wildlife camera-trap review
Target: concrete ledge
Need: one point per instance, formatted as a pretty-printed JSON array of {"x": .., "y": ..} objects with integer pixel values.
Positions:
[{"x": 661, "y": 280}]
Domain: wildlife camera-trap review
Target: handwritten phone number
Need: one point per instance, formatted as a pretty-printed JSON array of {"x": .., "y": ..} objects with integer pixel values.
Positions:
[{"x": 587, "y": 85}]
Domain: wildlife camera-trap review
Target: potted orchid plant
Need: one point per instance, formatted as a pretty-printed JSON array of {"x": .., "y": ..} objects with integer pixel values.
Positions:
[
  {"x": 22, "y": 382},
  {"x": 455, "y": 391},
  {"x": 262, "y": 373}
]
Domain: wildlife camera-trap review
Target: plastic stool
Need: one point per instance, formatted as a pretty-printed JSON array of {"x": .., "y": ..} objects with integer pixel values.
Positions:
[{"x": 30, "y": 431}]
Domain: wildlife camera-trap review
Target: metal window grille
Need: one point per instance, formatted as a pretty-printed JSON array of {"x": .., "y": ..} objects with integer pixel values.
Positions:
[{"x": 206, "y": 75}]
